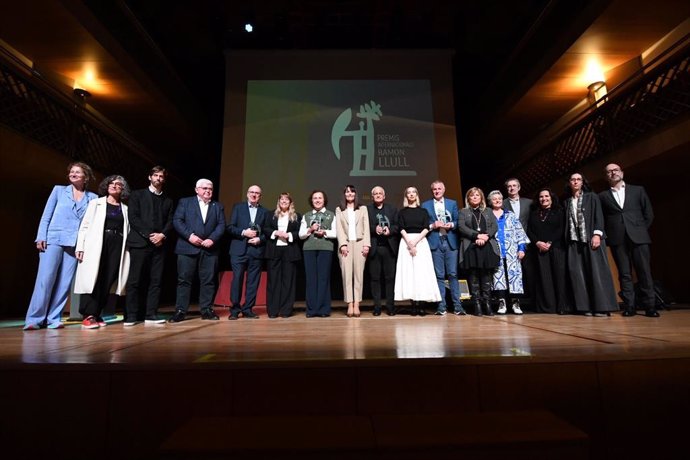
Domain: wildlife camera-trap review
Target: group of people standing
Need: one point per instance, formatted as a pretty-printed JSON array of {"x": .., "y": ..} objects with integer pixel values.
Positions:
[{"x": 416, "y": 252}]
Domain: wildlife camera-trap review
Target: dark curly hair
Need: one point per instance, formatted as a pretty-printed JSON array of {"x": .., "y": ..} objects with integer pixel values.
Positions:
[{"x": 103, "y": 187}]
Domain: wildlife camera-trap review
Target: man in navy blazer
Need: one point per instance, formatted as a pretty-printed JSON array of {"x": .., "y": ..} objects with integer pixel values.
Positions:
[
  {"x": 200, "y": 224},
  {"x": 246, "y": 252},
  {"x": 628, "y": 214},
  {"x": 443, "y": 241}
]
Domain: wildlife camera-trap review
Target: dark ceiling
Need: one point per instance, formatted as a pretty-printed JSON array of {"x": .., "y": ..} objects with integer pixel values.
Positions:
[
  {"x": 162, "y": 64},
  {"x": 497, "y": 43}
]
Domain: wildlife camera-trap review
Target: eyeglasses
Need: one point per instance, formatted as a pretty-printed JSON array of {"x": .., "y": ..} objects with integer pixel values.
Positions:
[
  {"x": 611, "y": 171},
  {"x": 117, "y": 184}
]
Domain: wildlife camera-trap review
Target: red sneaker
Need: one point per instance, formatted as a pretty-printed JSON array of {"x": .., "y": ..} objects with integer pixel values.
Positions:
[{"x": 90, "y": 322}]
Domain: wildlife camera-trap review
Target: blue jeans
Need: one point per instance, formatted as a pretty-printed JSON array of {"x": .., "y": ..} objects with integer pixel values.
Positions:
[{"x": 446, "y": 265}]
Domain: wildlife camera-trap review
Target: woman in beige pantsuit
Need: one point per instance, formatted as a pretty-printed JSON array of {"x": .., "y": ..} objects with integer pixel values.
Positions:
[{"x": 352, "y": 230}]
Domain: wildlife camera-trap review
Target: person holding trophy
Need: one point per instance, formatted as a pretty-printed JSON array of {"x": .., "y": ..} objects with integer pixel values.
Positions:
[
  {"x": 384, "y": 236},
  {"x": 352, "y": 230},
  {"x": 317, "y": 230},
  {"x": 246, "y": 252}
]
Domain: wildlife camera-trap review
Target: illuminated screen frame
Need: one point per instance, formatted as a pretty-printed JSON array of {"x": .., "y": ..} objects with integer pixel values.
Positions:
[{"x": 375, "y": 77}]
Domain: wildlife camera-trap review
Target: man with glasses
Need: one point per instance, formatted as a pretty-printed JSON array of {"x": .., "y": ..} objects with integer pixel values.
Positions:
[
  {"x": 628, "y": 214},
  {"x": 246, "y": 252}
]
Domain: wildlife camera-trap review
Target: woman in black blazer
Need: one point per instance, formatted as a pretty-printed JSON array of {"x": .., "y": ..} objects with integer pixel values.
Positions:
[{"x": 283, "y": 254}]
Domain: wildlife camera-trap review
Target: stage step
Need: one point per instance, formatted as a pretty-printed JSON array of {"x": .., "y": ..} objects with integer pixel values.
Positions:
[{"x": 528, "y": 435}]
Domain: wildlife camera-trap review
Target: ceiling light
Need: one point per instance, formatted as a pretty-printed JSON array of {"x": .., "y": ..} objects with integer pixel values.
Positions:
[{"x": 248, "y": 27}]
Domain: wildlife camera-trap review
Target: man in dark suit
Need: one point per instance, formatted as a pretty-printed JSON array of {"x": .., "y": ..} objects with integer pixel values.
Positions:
[
  {"x": 521, "y": 207},
  {"x": 200, "y": 224},
  {"x": 628, "y": 214},
  {"x": 150, "y": 224},
  {"x": 515, "y": 203},
  {"x": 383, "y": 227},
  {"x": 443, "y": 241},
  {"x": 246, "y": 252}
]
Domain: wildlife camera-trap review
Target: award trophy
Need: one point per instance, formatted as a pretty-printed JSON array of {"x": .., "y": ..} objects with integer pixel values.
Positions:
[
  {"x": 383, "y": 221},
  {"x": 316, "y": 219},
  {"x": 254, "y": 226},
  {"x": 444, "y": 216}
]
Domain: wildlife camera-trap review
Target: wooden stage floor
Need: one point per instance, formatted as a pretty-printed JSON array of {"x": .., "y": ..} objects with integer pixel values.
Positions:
[
  {"x": 509, "y": 339},
  {"x": 622, "y": 383}
]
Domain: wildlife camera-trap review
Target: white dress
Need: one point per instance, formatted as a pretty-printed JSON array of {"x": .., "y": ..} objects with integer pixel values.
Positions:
[{"x": 415, "y": 278}]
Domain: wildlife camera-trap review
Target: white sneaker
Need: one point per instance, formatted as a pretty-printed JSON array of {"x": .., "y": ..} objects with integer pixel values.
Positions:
[
  {"x": 516, "y": 307},
  {"x": 502, "y": 309}
]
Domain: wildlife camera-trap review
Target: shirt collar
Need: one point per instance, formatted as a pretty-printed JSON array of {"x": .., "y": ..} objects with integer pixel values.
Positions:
[{"x": 154, "y": 191}]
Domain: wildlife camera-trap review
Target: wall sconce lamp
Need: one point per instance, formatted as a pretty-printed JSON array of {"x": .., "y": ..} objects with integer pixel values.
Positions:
[
  {"x": 596, "y": 93},
  {"x": 81, "y": 94}
]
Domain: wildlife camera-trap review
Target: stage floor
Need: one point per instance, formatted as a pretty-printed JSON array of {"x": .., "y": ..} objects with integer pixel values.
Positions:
[
  {"x": 621, "y": 381},
  {"x": 511, "y": 339}
]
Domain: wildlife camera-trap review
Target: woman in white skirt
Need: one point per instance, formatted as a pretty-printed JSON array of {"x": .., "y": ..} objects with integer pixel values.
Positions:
[{"x": 415, "y": 278}]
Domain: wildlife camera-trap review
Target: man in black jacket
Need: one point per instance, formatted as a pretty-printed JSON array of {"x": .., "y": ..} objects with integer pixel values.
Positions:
[
  {"x": 383, "y": 226},
  {"x": 628, "y": 214},
  {"x": 150, "y": 219}
]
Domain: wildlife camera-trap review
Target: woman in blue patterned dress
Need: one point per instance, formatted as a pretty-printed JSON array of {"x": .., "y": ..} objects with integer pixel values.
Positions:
[{"x": 512, "y": 240}]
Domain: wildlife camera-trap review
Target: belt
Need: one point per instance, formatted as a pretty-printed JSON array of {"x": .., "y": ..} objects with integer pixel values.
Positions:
[{"x": 112, "y": 230}]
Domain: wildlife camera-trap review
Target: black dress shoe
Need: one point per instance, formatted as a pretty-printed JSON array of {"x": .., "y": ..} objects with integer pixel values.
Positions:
[
  {"x": 250, "y": 315},
  {"x": 629, "y": 312},
  {"x": 377, "y": 311},
  {"x": 272, "y": 316},
  {"x": 209, "y": 314},
  {"x": 391, "y": 311},
  {"x": 309, "y": 315},
  {"x": 177, "y": 317},
  {"x": 234, "y": 316},
  {"x": 652, "y": 313}
]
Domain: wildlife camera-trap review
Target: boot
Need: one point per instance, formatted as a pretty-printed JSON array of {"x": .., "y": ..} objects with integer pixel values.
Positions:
[
  {"x": 473, "y": 280},
  {"x": 486, "y": 294},
  {"x": 477, "y": 307}
]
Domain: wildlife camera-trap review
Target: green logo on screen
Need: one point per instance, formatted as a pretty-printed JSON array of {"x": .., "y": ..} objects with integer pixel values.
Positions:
[{"x": 372, "y": 155}]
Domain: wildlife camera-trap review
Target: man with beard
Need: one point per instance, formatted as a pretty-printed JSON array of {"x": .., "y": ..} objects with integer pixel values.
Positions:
[
  {"x": 150, "y": 220},
  {"x": 628, "y": 214}
]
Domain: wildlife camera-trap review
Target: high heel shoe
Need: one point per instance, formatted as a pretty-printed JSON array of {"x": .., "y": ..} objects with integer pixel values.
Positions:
[
  {"x": 350, "y": 311},
  {"x": 355, "y": 312}
]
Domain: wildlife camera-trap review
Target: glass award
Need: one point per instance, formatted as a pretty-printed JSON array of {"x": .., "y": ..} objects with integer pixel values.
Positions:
[
  {"x": 316, "y": 219},
  {"x": 444, "y": 216},
  {"x": 383, "y": 221}
]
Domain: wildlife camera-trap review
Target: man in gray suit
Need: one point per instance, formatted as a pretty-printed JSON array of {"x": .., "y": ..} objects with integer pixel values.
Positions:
[{"x": 628, "y": 214}]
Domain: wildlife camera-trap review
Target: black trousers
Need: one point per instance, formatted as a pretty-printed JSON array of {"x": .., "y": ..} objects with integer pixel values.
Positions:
[
  {"x": 144, "y": 282},
  {"x": 108, "y": 269},
  {"x": 282, "y": 277},
  {"x": 627, "y": 256},
  {"x": 382, "y": 262}
]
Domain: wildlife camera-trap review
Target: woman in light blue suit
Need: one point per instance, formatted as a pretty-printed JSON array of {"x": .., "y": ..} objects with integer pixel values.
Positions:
[{"x": 56, "y": 239}]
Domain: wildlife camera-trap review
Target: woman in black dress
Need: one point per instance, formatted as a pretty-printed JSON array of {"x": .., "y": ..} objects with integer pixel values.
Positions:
[{"x": 545, "y": 230}]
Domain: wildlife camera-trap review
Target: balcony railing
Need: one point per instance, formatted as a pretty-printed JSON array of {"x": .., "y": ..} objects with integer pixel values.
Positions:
[{"x": 655, "y": 96}]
